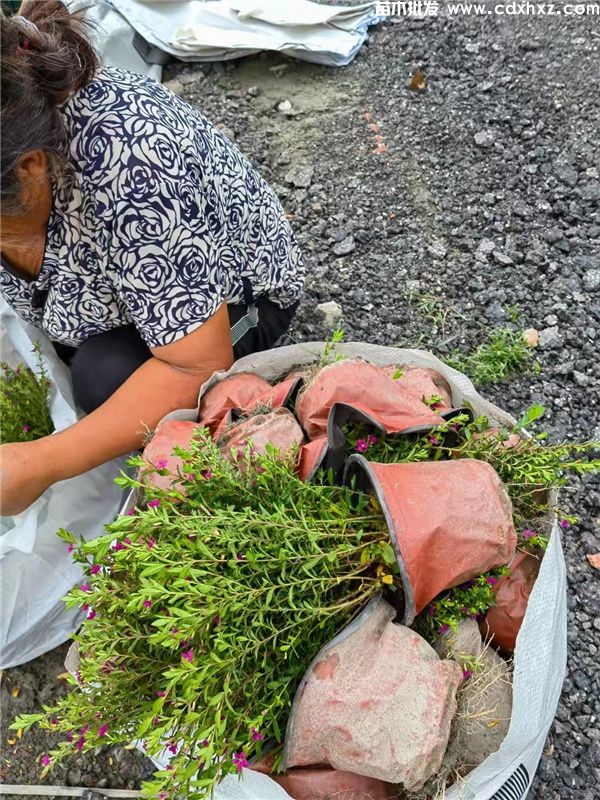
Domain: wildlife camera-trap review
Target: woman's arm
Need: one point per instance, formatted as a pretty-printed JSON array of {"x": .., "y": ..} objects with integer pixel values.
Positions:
[{"x": 168, "y": 381}]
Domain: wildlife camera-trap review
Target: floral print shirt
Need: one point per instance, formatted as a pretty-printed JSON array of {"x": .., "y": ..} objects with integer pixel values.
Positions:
[{"x": 157, "y": 220}]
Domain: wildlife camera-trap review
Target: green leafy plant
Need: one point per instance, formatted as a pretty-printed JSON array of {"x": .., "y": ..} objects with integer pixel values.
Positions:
[
  {"x": 24, "y": 414},
  {"x": 502, "y": 355},
  {"x": 205, "y": 608}
]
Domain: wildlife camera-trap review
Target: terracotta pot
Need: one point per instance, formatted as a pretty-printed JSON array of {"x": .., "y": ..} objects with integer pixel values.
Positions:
[
  {"x": 167, "y": 436},
  {"x": 277, "y": 428},
  {"x": 363, "y": 388},
  {"x": 503, "y": 621},
  {"x": 449, "y": 521},
  {"x": 238, "y": 391},
  {"x": 423, "y": 383}
]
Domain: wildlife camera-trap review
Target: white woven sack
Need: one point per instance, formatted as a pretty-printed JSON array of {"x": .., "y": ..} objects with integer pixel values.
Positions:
[
  {"x": 35, "y": 569},
  {"x": 541, "y": 651}
]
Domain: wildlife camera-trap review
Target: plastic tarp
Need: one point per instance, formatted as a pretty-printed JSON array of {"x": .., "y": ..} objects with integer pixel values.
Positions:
[
  {"x": 193, "y": 30},
  {"x": 541, "y": 648},
  {"x": 35, "y": 569}
]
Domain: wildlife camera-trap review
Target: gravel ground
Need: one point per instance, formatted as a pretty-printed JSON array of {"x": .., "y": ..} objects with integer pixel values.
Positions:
[{"x": 485, "y": 194}]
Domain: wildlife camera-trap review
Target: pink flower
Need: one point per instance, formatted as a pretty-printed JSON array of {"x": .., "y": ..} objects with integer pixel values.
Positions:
[
  {"x": 188, "y": 655},
  {"x": 466, "y": 674},
  {"x": 80, "y": 742},
  {"x": 362, "y": 446},
  {"x": 372, "y": 440},
  {"x": 434, "y": 440},
  {"x": 85, "y": 607},
  {"x": 119, "y": 546},
  {"x": 216, "y": 620},
  {"x": 491, "y": 581},
  {"x": 153, "y": 503},
  {"x": 70, "y": 548},
  {"x": 174, "y": 631},
  {"x": 564, "y": 524},
  {"x": 172, "y": 748},
  {"x": 151, "y": 543},
  {"x": 241, "y": 557},
  {"x": 91, "y": 614},
  {"x": 95, "y": 569},
  {"x": 207, "y": 474},
  {"x": 85, "y": 729},
  {"x": 69, "y": 736},
  {"x": 431, "y": 611},
  {"x": 131, "y": 512},
  {"x": 443, "y": 629},
  {"x": 45, "y": 760},
  {"x": 191, "y": 477},
  {"x": 162, "y": 464},
  {"x": 160, "y": 693},
  {"x": 239, "y": 760},
  {"x": 147, "y": 603},
  {"x": 102, "y": 730},
  {"x": 256, "y": 735},
  {"x": 527, "y": 534},
  {"x": 53, "y": 720},
  {"x": 26, "y": 428}
]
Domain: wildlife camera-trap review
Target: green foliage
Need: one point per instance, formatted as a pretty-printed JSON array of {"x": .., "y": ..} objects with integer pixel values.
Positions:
[
  {"x": 502, "y": 355},
  {"x": 330, "y": 350},
  {"x": 24, "y": 414},
  {"x": 207, "y": 609}
]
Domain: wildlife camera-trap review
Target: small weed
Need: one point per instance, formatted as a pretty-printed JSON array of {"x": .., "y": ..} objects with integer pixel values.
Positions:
[{"x": 502, "y": 355}]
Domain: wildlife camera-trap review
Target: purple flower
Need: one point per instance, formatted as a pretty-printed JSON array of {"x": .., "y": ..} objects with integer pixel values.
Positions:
[
  {"x": 45, "y": 760},
  {"x": 151, "y": 542},
  {"x": 241, "y": 557},
  {"x": 433, "y": 439},
  {"x": 160, "y": 693},
  {"x": 91, "y": 614},
  {"x": 216, "y": 620},
  {"x": 80, "y": 742},
  {"x": 54, "y": 720},
  {"x": 85, "y": 607},
  {"x": 147, "y": 603},
  {"x": 456, "y": 427},
  {"x": 172, "y": 748},
  {"x": 69, "y": 736},
  {"x": 256, "y": 735},
  {"x": 85, "y": 587},
  {"x": 70, "y": 548},
  {"x": 372, "y": 440},
  {"x": 362, "y": 446},
  {"x": 95, "y": 569},
  {"x": 131, "y": 512},
  {"x": 119, "y": 546},
  {"x": 443, "y": 629},
  {"x": 564, "y": 524},
  {"x": 467, "y": 585},
  {"x": 102, "y": 730},
  {"x": 207, "y": 474},
  {"x": 162, "y": 464},
  {"x": 26, "y": 428},
  {"x": 188, "y": 655},
  {"x": 491, "y": 581},
  {"x": 85, "y": 729},
  {"x": 191, "y": 477},
  {"x": 154, "y": 503},
  {"x": 431, "y": 611},
  {"x": 528, "y": 534},
  {"x": 466, "y": 674},
  {"x": 239, "y": 760},
  {"x": 474, "y": 616}
]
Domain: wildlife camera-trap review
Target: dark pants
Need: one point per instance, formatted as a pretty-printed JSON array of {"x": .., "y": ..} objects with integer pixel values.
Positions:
[{"x": 103, "y": 363}]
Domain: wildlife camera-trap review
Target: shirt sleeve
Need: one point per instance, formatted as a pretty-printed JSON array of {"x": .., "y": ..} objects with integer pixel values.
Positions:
[{"x": 163, "y": 259}]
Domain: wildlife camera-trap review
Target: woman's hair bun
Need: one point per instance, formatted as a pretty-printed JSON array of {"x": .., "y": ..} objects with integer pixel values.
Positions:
[{"x": 54, "y": 46}]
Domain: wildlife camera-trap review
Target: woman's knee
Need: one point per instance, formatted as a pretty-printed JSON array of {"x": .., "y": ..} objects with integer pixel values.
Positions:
[{"x": 103, "y": 363}]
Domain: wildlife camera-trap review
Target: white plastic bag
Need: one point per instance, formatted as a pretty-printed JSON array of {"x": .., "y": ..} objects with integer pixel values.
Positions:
[
  {"x": 35, "y": 569},
  {"x": 541, "y": 650}
]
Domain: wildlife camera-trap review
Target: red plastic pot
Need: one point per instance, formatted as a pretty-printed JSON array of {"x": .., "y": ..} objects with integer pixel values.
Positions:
[
  {"x": 362, "y": 388},
  {"x": 167, "y": 436},
  {"x": 325, "y": 783},
  {"x": 236, "y": 392},
  {"x": 503, "y": 621},
  {"x": 423, "y": 383},
  {"x": 278, "y": 428},
  {"x": 312, "y": 456},
  {"x": 449, "y": 521}
]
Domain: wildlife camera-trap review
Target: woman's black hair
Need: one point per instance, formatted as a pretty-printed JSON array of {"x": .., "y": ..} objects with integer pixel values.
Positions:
[{"x": 46, "y": 56}]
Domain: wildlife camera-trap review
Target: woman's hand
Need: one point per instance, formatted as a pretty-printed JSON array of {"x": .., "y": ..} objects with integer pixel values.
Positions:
[
  {"x": 169, "y": 381},
  {"x": 25, "y": 474}
]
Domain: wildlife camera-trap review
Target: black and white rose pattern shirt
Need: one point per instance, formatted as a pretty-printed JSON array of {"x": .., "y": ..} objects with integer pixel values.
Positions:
[{"x": 157, "y": 222}]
